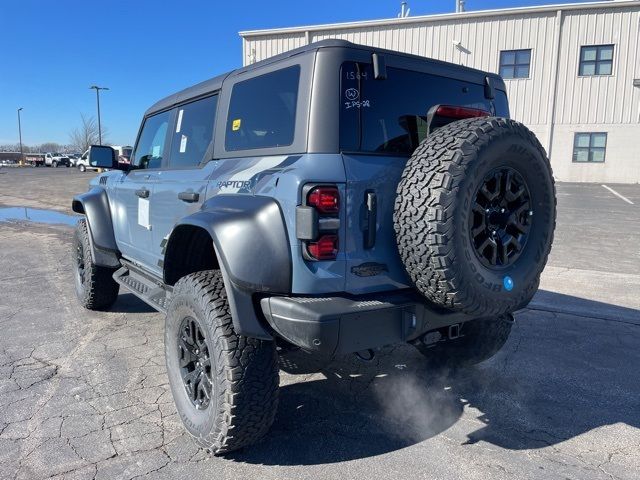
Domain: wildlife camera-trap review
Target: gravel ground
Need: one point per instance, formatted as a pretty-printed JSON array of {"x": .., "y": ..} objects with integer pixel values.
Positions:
[{"x": 85, "y": 394}]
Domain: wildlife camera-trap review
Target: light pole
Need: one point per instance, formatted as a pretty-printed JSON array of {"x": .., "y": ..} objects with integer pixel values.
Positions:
[
  {"x": 97, "y": 89},
  {"x": 20, "y": 135}
]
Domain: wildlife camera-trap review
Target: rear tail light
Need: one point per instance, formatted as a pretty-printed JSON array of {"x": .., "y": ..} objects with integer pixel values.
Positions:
[
  {"x": 325, "y": 248},
  {"x": 324, "y": 199},
  {"x": 451, "y": 111},
  {"x": 318, "y": 222}
]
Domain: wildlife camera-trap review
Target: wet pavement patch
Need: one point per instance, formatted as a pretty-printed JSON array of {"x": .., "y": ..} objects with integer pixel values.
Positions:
[{"x": 36, "y": 215}]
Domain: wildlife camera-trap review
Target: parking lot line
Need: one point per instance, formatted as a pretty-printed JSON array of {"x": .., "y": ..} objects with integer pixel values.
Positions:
[{"x": 617, "y": 194}]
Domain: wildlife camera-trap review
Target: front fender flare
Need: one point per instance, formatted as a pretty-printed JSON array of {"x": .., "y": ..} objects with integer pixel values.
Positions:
[{"x": 94, "y": 205}]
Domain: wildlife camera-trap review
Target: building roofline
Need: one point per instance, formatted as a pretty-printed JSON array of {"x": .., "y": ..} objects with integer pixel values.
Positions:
[{"x": 444, "y": 16}]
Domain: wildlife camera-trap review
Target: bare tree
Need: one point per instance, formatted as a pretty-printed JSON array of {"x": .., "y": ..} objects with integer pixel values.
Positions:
[
  {"x": 50, "y": 147},
  {"x": 87, "y": 134}
]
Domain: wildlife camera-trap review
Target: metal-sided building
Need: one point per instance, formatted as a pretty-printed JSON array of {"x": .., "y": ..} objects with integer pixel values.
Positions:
[{"x": 572, "y": 71}]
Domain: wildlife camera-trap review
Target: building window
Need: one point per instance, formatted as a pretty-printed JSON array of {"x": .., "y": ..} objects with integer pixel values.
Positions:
[
  {"x": 596, "y": 60},
  {"x": 515, "y": 63},
  {"x": 589, "y": 147}
]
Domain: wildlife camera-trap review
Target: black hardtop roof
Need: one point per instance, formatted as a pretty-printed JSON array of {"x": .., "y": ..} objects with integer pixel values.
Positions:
[{"x": 215, "y": 83}]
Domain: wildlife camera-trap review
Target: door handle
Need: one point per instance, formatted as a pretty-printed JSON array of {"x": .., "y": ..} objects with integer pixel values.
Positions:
[
  {"x": 189, "y": 197},
  {"x": 371, "y": 205},
  {"x": 142, "y": 193}
]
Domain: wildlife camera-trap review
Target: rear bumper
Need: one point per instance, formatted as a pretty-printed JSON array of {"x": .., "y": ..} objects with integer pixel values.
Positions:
[{"x": 345, "y": 324}]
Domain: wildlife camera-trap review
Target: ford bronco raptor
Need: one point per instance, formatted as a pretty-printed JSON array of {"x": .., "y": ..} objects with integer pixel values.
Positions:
[{"x": 329, "y": 200}]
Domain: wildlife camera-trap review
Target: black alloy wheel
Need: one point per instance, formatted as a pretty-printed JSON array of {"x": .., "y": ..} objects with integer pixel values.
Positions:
[
  {"x": 195, "y": 363},
  {"x": 501, "y": 218}
]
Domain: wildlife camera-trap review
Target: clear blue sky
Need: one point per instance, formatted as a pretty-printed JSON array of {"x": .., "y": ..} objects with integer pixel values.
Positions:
[{"x": 52, "y": 51}]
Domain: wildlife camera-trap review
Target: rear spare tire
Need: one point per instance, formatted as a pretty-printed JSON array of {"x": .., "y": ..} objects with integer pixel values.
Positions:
[{"x": 475, "y": 214}]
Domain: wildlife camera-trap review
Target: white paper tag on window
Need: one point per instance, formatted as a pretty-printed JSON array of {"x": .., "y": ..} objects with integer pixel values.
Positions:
[
  {"x": 179, "y": 124},
  {"x": 155, "y": 151},
  {"x": 183, "y": 144},
  {"x": 143, "y": 213}
]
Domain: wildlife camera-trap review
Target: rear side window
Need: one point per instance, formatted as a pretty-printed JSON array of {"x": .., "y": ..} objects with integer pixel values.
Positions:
[
  {"x": 262, "y": 111},
  {"x": 193, "y": 133},
  {"x": 150, "y": 148},
  {"x": 390, "y": 116}
]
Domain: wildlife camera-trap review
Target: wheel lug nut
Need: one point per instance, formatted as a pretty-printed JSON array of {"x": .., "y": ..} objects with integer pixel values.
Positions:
[
  {"x": 487, "y": 210},
  {"x": 493, "y": 232},
  {"x": 502, "y": 210},
  {"x": 530, "y": 213}
]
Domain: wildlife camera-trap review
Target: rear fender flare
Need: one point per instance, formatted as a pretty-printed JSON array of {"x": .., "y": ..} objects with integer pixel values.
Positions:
[{"x": 251, "y": 244}]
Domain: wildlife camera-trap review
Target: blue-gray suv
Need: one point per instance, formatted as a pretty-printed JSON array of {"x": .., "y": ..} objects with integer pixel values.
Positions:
[{"x": 330, "y": 200}]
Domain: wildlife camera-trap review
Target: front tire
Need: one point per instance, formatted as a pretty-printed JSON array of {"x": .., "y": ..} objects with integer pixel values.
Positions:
[
  {"x": 54, "y": 164},
  {"x": 225, "y": 385},
  {"x": 95, "y": 287},
  {"x": 82, "y": 168}
]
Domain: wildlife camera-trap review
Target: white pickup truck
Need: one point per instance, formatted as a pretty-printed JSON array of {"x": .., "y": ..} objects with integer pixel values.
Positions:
[{"x": 56, "y": 160}]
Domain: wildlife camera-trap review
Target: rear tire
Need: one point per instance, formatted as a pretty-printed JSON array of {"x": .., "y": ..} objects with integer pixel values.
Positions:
[
  {"x": 54, "y": 164},
  {"x": 479, "y": 341},
  {"x": 95, "y": 287},
  {"x": 225, "y": 385}
]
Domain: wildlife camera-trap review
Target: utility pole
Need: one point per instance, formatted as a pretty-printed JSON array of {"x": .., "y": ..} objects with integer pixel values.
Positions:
[
  {"x": 20, "y": 136},
  {"x": 404, "y": 10},
  {"x": 97, "y": 89}
]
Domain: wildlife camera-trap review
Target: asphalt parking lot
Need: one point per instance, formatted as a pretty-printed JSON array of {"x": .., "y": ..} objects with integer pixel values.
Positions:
[{"x": 85, "y": 395}]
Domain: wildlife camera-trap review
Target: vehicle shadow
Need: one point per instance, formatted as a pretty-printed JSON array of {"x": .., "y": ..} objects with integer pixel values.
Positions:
[
  {"x": 129, "y": 303},
  {"x": 558, "y": 377}
]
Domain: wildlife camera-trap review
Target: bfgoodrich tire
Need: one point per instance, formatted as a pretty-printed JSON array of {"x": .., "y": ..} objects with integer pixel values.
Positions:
[
  {"x": 95, "y": 287},
  {"x": 225, "y": 386},
  {"x": 479, "y": 340},
  {"x": 475, "y": 214}
]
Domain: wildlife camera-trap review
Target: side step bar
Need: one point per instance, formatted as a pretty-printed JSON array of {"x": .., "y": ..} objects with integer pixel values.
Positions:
[{"x": 150, "y": 289}]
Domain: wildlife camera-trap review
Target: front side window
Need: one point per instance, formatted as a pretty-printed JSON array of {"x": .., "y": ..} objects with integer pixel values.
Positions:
[
  {"x": 589, "y": 147},
  {"x": 515, "y": 63},
  {"x": 262, "y": 111},
  {"x": 596, "y": 60},
  {"x": 150, "y": 149},
  {"x": 193, "y": 134},
  {"x": 390, "y": 116}
]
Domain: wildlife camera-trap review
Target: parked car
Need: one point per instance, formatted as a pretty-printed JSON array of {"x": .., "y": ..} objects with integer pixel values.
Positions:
[
  {"x": 73, "y": 158},
  {"x": 332, "y": 199},
  {"x": 123, "y": 153},
  {"x": 35, "y": 159},
  {"x": 56, "y": 160},
  {"x": 82, "y": 163}
]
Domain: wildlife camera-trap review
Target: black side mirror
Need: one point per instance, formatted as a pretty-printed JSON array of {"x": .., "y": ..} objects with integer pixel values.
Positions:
[{"x": 102, "y": 156}]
